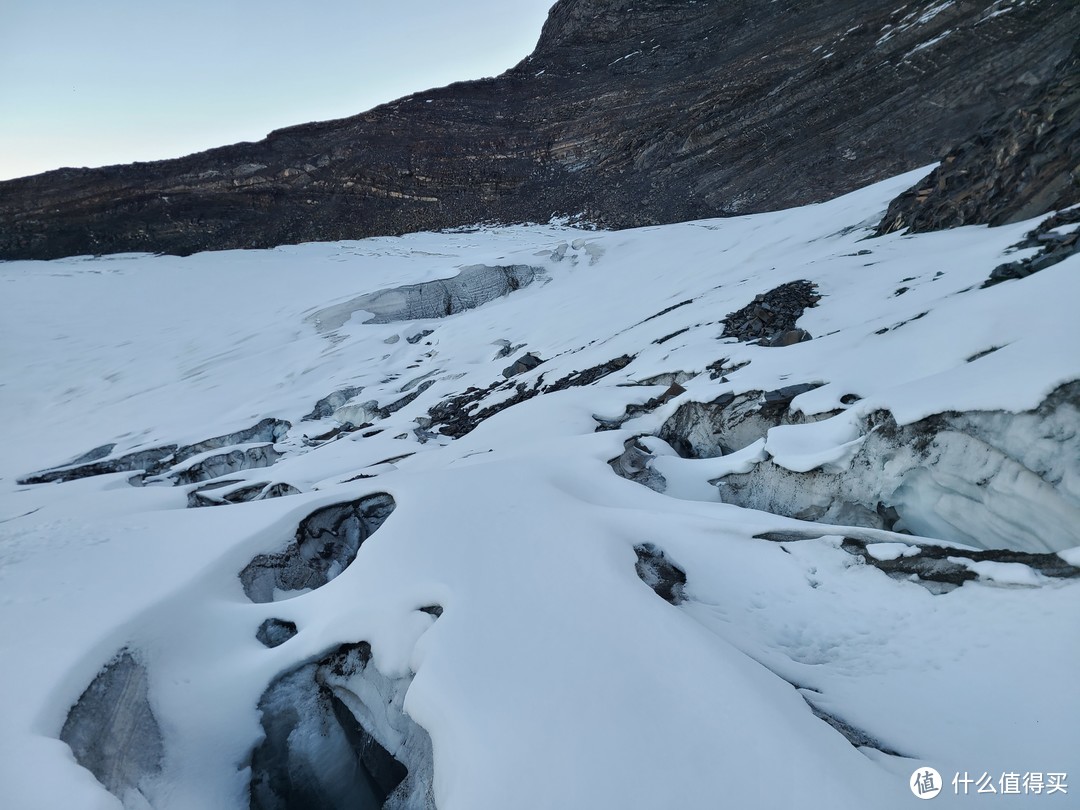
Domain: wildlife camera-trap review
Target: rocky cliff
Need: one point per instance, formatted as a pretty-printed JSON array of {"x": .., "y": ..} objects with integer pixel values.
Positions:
[
  {"x": 1026, "y": 161},
  {"x": 627, "y": 113}
]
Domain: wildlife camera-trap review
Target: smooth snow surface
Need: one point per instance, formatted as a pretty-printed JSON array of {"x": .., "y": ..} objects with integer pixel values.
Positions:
[{"x": 554, "y": 677}]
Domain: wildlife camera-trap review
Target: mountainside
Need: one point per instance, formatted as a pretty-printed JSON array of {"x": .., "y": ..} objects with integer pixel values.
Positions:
[
  {"x": 754, "y": 512},
  {"x": 627, "y": 113},
  {"x": 1025, "y": 162}
]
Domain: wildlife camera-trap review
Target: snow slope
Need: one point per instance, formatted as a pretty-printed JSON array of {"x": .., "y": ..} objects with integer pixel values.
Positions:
[{"x": 553, "y": 675}]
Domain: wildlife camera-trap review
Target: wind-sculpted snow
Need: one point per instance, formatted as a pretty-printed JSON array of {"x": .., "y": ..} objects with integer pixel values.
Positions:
[{"x": 462, "y": 590}]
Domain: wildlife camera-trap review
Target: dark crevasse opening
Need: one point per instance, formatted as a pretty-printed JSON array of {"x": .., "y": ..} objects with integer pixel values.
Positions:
[{"x": 327, "y": 727}]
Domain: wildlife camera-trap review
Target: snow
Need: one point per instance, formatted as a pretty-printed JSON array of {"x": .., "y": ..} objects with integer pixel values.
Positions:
[
  {"x": 891, "y": 551},
  {"x": 1002, "y": 573},
  {"x": 555, "y": 676}
]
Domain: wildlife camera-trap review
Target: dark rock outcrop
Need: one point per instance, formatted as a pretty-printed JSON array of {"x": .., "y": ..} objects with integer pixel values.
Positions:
[
  {"x": 938, "y": 566},
  {"x": 1023, "y": 163},
  {"x": 457, "y": 415},
  {"x": 633, "y": 465},
  {"x": 1053, "y": 245},
  {"x": 648, "y": 406},
  {"x": 275, "y": 632},
  {"x": 325, "y": 543},
  {"x": 628, "y": 112},
  {"x": 657, "y": 571},
  {"x": 527, "y": 362},
  {"x": 770, "y": 318}
]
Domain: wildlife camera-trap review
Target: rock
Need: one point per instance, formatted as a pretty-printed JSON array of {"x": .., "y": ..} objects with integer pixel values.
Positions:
[
  {"x": 657, "y": 571},
  {"x": 632, "y": 410},
  {"x": 633, "y": 465},
  {"x": 325, "y": 543},
  {"x": 770, "y": 318},
  {"x": 1022, "y": 163},
  {"x": 113, "y": 732},
  {"x": 789, "y": 338},
  {"x": 1054, "y": 247},
  {"x": 458, "y": 415},
  {"x": 588, "y": 376},
  {"x": 527, "y": 362},
  {"x": 688, "y": 128},
  {"x": 942, "y": 568},
  {"x": 275, "y": 632},
  {"x": 666, "y": 378},
  {"x": 344, "y": 429}
]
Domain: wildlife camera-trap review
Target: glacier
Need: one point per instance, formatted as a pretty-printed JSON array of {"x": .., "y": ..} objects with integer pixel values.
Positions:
[{"x": 665, "y": 562}]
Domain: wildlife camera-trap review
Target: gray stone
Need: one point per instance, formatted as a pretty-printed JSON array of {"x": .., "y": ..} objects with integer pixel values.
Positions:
[
  {"x": 658, "y": 571},
  {"x": 633, "y": 465},
  {"x": 770, "y": 318},
  {"x": 275, "y": 632},
  {"x": 527, "y": 362}
]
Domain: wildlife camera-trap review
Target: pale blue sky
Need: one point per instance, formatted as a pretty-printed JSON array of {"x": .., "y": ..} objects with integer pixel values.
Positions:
[{"x": 113, "y": 81}]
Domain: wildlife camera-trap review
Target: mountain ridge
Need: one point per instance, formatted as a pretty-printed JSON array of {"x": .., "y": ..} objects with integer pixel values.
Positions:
[{"x": 626, "y": 114}]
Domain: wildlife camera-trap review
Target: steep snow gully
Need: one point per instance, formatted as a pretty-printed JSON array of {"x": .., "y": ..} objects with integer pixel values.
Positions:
[{"x": 498, "y": 516}]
